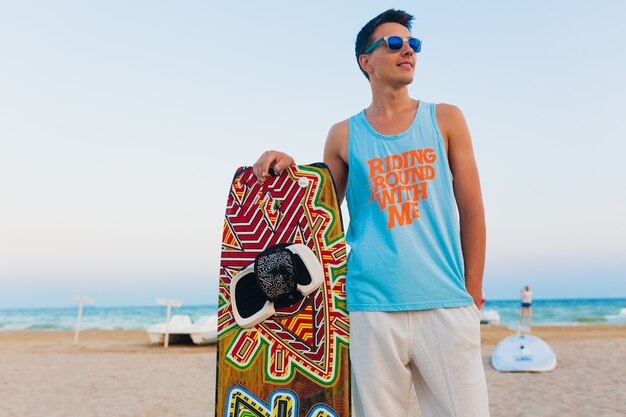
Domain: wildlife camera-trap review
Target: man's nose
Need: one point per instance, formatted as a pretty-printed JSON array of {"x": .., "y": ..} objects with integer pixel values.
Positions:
[{"x": 406, "y": 48}]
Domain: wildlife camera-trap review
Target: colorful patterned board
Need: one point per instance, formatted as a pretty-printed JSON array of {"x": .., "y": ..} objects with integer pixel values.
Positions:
[{"x": 294, "y": 364}]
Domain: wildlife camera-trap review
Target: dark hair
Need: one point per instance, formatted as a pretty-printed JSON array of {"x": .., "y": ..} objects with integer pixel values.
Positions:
[{"x": 363, "y": 40}]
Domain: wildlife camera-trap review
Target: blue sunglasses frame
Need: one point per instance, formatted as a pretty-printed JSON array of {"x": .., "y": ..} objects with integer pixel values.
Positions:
[{"x": 396, "y": 44}]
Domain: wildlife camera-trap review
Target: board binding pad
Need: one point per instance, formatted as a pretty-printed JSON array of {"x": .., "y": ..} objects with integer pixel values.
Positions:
[{"x": 294, "y": 363}]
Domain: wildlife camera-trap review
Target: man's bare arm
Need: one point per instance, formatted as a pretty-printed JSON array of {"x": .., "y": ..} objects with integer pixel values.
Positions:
[
  {"x": 468, "y": 195},
  {"x": 336, "y": 156}
]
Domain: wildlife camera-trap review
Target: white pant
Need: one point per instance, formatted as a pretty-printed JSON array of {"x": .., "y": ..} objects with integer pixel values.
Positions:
[{"x": 437, "y": 350}]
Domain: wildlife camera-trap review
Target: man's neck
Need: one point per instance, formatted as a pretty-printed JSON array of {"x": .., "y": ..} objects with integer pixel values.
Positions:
[{"x": 388, "y": 101}]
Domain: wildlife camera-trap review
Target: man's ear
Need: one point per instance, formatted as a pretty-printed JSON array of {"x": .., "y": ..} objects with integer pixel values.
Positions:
[{"x": 364, "y": 62}]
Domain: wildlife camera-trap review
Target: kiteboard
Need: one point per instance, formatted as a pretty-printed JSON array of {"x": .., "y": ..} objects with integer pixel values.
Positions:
[{"x": 283, "y": 327}]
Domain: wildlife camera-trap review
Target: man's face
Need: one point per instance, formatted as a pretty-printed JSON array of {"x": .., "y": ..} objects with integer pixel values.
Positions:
[{"x": 395, "y": 67}]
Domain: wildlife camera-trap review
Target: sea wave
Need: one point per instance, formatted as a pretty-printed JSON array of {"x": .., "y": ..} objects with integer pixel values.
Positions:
[
  {"x": 44, "y": 326},
  {"x": 589, "y": 320},
  {"x": 617, "y": 318}
]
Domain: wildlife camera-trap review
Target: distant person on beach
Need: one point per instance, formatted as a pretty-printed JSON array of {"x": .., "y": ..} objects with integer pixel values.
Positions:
[
  {"x": 527, "y": 300},
  {"x": 417, "y": 233}
]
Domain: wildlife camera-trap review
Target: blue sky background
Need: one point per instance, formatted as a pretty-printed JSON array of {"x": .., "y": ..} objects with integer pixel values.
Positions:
[{"x": 122, "y": 123}]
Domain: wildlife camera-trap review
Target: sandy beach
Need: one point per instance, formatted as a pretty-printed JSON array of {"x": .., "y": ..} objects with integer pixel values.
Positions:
[{"x": 117, "y": 373}]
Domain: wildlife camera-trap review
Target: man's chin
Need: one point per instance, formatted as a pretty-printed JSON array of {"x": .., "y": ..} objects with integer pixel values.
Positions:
[
  {"x": 404, "y": 80},
  {"x": 398, "y": 80}
]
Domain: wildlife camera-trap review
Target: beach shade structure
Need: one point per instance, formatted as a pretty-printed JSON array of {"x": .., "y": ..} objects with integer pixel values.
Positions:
[
  {"x": 81, "y": 301},
  {"x": 523, "y": 353},
  {"x": 169, "y": 304}
]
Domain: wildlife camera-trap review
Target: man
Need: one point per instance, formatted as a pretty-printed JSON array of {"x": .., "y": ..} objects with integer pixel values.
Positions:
[{"x": 417, "y": 233}]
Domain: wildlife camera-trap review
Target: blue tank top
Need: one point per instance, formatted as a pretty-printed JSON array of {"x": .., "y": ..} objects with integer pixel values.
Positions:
[{"x": 404, "y": 228}]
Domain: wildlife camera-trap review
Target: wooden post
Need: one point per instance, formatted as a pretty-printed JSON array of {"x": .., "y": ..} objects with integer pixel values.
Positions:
[
  {"x": 169, "y": 304},
  {"x": 81, "y": 300}
]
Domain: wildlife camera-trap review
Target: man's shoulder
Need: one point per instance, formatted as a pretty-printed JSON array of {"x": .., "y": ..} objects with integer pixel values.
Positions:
[
  {"x": 339, "y": 130},
  {"x": 447, "y": 110},
  {"x": 449, "y": 117}
]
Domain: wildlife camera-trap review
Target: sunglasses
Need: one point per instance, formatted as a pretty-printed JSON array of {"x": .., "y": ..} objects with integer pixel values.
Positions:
[{"x": 395, "y": 43}]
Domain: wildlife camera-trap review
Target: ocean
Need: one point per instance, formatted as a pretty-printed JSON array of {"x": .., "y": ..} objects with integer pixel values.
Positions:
[
  {"x": 94, "y": 317},
  {"x": 545, "y": 312}
]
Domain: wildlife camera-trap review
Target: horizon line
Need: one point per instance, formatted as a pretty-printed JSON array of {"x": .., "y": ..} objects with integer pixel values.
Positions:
[{"x": 215, "y": 305}]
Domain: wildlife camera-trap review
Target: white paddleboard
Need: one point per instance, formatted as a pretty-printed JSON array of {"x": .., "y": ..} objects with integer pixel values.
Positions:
[{"x": 523, "y": 353}]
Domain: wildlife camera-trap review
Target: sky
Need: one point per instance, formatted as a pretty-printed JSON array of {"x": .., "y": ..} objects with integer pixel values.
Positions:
[{"x": 122, "y": 124}]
